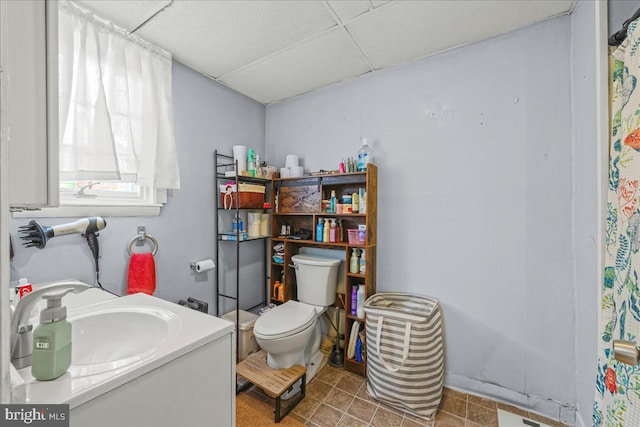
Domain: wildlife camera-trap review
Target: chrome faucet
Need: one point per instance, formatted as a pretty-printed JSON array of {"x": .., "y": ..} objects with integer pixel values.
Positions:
[{"x": 21, "y": 330}]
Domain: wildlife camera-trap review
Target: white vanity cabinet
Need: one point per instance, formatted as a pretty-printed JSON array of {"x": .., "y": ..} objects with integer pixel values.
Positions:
[{"x": 29, "y": 100}]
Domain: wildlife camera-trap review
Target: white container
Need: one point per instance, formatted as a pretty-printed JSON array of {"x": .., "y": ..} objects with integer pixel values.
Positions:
[
  {"x": 316, "y": 279},
  {"x": 285, "y": 172},
  {"x": 291, "y": 161},
  {"x": 297, "y": 171},
  {"x": 240, "y": 156},
  {"x": 247, "y": 342}
]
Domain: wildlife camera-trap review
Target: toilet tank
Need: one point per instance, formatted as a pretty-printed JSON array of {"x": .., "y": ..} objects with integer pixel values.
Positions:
[{"x": 316, "y": 278}]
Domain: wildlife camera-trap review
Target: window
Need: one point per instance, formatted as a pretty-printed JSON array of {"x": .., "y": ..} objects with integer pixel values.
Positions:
[{"x": 117, "y": 145}]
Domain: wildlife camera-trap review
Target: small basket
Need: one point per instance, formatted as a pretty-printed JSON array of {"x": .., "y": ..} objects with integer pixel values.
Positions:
[{"x": 353, "y": 234}]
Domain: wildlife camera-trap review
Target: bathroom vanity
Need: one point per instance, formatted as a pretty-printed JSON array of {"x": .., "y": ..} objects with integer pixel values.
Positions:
[{"x": 139, "y": 360}]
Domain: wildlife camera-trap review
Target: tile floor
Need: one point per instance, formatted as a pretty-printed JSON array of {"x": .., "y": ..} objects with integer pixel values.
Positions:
[{"x": 338, "y": 398}]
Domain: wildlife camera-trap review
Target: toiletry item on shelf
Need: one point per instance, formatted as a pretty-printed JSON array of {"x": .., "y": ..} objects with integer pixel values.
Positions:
[
  {"x": 325, "y": 206},
  {"x": 51, "y": 355},
  {"x": 237, "y": 224},
  {"x": 319, "y": 230},
  {"x": 360, "y": 302},
  {"x": 362, "y": 233},
  {"x": 341, "y": 167},
  {"x": 339, "y": 231},
  {"x": 326, "y": 232},
  {"x": 354, "y": 203},
  {"x": 363, "y": 263},
  {"x": 339, "y": 208},
  {"x": 354, "y": 300},
  {"x": 332, "y": 202},
  {"x": 24, "y": 287},
  {"x": 276, "y": 289},
  {"x": 251, "y": 162},
  {"x": 281, "y": 292},
  {"x": 362, "y": 196},
  {"x": 332, "y": 231},
  {"x": 354, "y": 263},
  {"x": 364, "y": 156}
]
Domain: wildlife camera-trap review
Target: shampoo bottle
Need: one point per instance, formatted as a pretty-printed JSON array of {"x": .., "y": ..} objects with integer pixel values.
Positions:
[
  {"x": 326, "y": 234},
  {"x": 332, "y": 231},
  {"x": 354, "y": 300},
  {"x": 360, "y": 303},
  {"x": 319, "y": 230},
  {"x": 354, "y": 263},
  {"x": 363, "y": 263},
  {"x": 52, "y": 340}
]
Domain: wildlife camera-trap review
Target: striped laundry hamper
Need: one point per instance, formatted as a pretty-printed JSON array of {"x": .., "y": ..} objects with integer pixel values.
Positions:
[{"x": 405, "y": 355}]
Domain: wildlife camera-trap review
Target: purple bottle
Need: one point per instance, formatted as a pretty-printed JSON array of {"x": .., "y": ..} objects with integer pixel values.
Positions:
[{"x": 354, "y": 300}]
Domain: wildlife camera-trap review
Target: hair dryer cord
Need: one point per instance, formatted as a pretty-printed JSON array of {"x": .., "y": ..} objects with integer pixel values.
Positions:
[{"x": 92, "y": 241}]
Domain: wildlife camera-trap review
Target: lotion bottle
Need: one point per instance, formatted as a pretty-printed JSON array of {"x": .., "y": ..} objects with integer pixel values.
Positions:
[
  {"x": 327, "y": 227},
  {"x": 354, "y": 263},
  {"x": 332, "y": 231},
  {"x": 363, "y": 263},
  {"x": 52, "y": 340},
  {"x": 319, "y": 230}
]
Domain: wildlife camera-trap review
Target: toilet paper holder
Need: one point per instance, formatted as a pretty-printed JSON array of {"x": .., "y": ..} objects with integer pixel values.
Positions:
[{"x": 202, "y": 265}]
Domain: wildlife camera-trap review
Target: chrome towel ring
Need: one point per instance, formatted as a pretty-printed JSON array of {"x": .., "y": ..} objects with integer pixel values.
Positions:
[{"x": 140, "y": 238}]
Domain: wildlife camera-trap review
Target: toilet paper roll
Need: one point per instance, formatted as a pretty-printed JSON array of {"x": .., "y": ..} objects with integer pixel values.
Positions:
[
  {"x": 292, "y": 161},
  {"x": 297, "y": 171},
  {"x": 285, "y": 172},
  {"x": 240, "y": 155},
  {"x": 205, "y": 265}
]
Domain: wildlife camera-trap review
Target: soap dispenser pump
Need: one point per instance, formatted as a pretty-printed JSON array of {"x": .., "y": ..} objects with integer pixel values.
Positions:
[{"x": 52, "y": 340}]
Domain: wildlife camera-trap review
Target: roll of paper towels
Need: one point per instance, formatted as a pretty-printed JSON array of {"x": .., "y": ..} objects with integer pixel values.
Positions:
[
  {"x": 297, "y": 171},
  {"x": 205, "y": 265}
]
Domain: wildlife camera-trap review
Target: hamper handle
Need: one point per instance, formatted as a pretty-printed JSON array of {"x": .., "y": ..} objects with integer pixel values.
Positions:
[{"x": 405, "y": 352}]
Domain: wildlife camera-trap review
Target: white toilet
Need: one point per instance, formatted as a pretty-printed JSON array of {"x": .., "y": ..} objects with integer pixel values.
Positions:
[{"x": 290, "y": 333}]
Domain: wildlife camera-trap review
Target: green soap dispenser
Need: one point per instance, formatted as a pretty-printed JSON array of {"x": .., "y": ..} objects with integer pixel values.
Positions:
[{"x": 52, "y": 340}]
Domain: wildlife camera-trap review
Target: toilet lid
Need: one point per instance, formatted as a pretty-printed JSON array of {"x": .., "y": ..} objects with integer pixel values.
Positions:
[{"x": 285, "y": 320}]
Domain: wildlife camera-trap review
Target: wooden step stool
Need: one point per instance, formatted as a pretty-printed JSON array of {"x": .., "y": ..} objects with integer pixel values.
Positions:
[{"x": 274, "y": 382}]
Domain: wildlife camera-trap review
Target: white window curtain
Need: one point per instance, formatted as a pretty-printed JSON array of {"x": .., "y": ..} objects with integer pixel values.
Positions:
[{"x": 116, "y": 113}]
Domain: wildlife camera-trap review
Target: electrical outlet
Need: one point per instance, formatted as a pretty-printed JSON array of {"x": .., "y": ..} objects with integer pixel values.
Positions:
[{"x": 201, "y": 305}]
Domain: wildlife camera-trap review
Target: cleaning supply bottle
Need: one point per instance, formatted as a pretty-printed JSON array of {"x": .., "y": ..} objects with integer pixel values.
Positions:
[
  {"x": 363, "y": 263},
  {"x": 281, "y": 292},
  {"x": 360, "y": 302},
  {"x": 354, "y": 300},
  {"x": 276, "y": 289},
  {"x": 319, "y": 230},
  {"x": 364, "y": 156},
  {"x": 326, "y": 235},
  {"x": 51, "y": 355},
  {"x": 354, "y": 265},
  {"x": 332, "y": 231}
]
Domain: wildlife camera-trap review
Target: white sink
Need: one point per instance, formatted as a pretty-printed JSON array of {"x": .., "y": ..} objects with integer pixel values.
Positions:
[{"x": 108, "y": 338}]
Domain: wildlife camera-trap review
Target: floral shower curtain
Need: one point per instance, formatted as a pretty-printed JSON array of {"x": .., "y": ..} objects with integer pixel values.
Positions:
[{"x": 617, "y": 401}]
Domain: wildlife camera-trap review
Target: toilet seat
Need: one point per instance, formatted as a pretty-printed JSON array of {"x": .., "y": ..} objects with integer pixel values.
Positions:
[{"x": 285, "y": 320}]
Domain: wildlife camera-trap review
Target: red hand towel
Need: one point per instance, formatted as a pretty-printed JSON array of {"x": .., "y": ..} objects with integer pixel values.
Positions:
[{"x": 142, "y": 274}]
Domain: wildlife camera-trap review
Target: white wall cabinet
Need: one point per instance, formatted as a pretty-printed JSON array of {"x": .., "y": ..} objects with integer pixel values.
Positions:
[{"x": 29, "y": 100}]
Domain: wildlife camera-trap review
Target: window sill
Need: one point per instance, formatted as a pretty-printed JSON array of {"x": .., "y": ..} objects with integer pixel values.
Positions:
[{"x": 82, "y": 211}]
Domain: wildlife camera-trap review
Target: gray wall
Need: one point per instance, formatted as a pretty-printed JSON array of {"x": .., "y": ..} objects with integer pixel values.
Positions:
[
  {"x": 475, "y": 200},
  {"x": 208, "y": 116},
  {"x": 620, "y": 11}
]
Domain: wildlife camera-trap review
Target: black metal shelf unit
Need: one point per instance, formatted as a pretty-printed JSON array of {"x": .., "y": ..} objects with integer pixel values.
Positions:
[{"x": 222, "y": 163}]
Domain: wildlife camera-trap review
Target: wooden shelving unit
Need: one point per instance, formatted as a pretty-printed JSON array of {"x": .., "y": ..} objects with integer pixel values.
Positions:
[{"x": 297, "y": 203}]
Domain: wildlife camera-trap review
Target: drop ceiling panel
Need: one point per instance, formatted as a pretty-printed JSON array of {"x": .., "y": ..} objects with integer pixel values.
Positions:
[
  {"x": 323, "y": 60},
  {"x": 126, "y": 14},
  {"x": 404, "y": 31},
  {"x": 216, "y": 37},
  {"x": 348, "y": 9}
]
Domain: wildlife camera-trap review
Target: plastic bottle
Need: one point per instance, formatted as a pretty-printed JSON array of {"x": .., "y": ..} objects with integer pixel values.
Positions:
[
  {"x": 251, "y": 161},
  {"x": 276, "y": 289},
  {"x": 332, "y": 231},
  {"x": 332, "y": 202},
  {"x": 24, "y": 287},
  {"x": 354, "y": 265},
  {"x": 363, "y": 200},
  {"x": 319, "y": 230},
  {"x": 360, "y": 302},
  {"x": 52, "y": 340},
  {"x": 237, "y": 224},
  {"x": 354, "y": 300},
  {"x": 363, "y": 263},
  {"x": 326, "y": 235},
  {"x": 354, "y": 203},
  {"x": 281, "y": 292},
  {"x": 339, "y": 231},
  {"x": 364, "y": 156}
]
